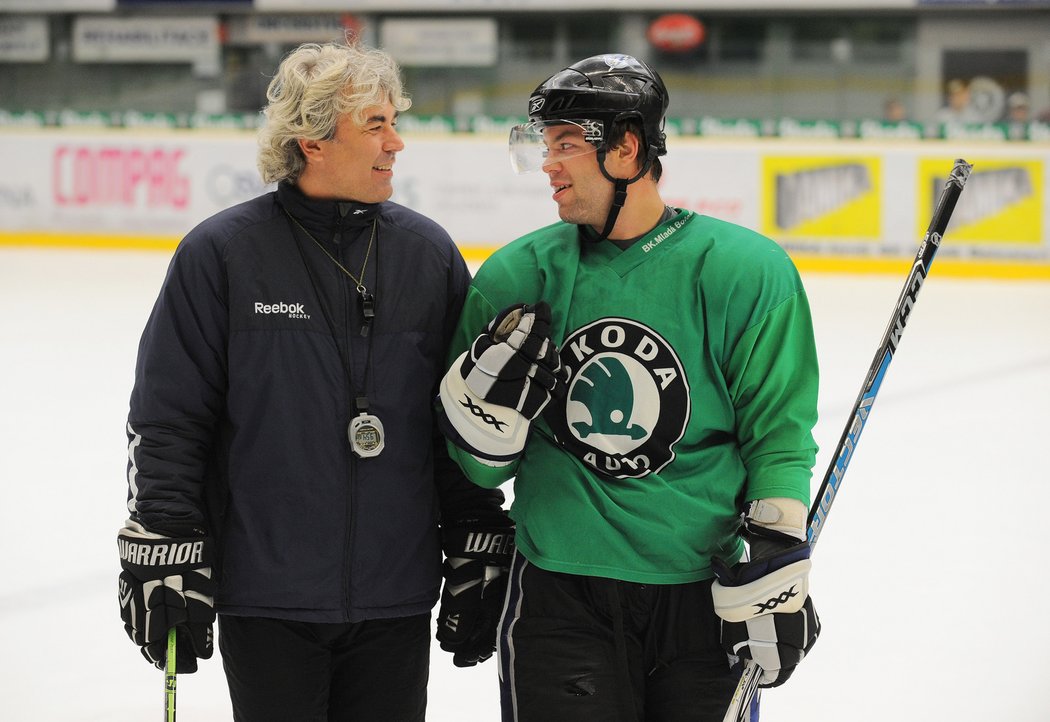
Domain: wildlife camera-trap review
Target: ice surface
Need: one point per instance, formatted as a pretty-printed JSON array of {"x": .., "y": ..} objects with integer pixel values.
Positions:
[{"x": 929, "y": 577}]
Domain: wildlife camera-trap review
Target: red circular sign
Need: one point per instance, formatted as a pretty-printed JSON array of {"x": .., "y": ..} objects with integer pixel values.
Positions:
[{"x": 676, "y": 33}]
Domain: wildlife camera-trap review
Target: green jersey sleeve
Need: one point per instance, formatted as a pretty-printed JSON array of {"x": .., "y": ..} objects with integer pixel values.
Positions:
[{"x": 773, "y": 388}]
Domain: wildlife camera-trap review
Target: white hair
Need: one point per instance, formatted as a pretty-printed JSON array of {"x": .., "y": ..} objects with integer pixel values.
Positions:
[{"x": 315, "y": 85}]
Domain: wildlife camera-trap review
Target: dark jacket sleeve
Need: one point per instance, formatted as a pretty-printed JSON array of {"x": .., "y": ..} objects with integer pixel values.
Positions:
[
  {"x": 459, "y": 498},
  {"x": 179, "y": 392}
]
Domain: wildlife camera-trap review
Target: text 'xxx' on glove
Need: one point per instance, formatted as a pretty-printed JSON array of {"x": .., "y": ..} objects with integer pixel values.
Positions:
[{"x": 502, "y": 382}]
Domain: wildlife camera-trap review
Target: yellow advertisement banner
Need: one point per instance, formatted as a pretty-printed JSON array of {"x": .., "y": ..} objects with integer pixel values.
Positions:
[
  {"x": 832, "y": 197},
  {"x": 1000, "y": 204}
]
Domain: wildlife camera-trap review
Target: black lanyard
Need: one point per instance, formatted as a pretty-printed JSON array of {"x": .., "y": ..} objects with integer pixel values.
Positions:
[{"x": 366, "y": 300}]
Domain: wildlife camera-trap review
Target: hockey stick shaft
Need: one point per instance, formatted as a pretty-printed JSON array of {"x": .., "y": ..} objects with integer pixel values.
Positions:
[
  {"x": 170, "y": 678},
  {"x": 858, "y": 417},
  {"x": 829, "y": 488}
]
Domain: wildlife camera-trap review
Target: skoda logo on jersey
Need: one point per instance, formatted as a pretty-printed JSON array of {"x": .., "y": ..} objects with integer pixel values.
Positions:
[{"x": 628, "y": 399}]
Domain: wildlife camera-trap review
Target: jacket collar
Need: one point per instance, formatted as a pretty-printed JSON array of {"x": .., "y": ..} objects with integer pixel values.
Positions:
[{"x": 323, "y": 217}]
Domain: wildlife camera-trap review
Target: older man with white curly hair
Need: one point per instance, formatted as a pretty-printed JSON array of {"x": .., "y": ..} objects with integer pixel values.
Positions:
[{"x": 285, "y": 468}]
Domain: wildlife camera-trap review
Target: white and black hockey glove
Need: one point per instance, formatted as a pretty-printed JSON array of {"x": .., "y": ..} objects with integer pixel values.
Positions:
[
  {"x": 766, "y": 611},
  {"x": 167, "y": 582},
  {"x": 502, "y": 382},
  {"x": 478, "y": 554}
]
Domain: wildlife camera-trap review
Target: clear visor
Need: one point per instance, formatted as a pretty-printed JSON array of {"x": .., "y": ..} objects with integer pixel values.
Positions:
[{"x": 540, "y": 143}]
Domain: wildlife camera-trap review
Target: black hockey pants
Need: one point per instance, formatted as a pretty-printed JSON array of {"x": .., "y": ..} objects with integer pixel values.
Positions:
[
  {"x": 311, "y": 672},
  {"x": 588, "y": 649}
]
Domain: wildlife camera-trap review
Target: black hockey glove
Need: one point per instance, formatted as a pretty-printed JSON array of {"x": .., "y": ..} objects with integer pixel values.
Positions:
[
  {"x": 514, "y": 363},
  {"x": 167, "y": 582},
  {"x": 508, "y": 376},
  {"x": 478, "y": 554},
  {"x": 767, "y": 613}
]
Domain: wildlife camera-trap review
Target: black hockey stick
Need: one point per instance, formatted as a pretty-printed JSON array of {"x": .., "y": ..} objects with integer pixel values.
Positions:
[{"x": 818, "y": 514}]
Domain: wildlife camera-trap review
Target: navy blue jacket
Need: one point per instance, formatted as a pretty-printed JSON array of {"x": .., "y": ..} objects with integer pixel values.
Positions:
[{"x": 245, "y": 382}]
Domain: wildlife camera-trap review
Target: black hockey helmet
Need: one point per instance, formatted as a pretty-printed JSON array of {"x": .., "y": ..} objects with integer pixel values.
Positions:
[
  {"x": 595, "y": 94},
  {"x": 606, "y": 88}
]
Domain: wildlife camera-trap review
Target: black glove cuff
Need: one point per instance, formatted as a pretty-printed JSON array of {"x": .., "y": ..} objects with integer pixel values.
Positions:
[{"x": 746, "y": 572}]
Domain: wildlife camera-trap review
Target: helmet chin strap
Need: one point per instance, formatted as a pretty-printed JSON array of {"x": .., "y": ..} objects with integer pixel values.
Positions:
[{"x": 620, "y": 189}]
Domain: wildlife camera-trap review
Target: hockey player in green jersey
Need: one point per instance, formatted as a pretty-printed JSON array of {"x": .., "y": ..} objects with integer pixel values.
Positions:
[{"x": 647, "y": 377}]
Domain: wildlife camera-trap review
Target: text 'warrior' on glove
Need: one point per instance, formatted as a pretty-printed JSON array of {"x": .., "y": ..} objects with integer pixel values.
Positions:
[
  {"x": 766, "y": 611},
  {"x": 166, "y": 582},
  {"x": 478, "y": 554},
  {"x": 497, "y": 387}
]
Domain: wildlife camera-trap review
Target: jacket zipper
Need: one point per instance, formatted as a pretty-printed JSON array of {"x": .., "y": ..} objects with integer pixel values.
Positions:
[{"x": 351, "y": 507}]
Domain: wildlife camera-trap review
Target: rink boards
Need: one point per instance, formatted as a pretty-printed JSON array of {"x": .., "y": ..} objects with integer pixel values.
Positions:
[{"x": 837, "y": 205}]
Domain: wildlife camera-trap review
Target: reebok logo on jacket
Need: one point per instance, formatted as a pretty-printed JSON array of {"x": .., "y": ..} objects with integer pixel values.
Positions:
[{"x": 293, "y": 310}]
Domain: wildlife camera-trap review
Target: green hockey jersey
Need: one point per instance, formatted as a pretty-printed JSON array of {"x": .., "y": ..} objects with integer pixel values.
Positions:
[{"x": 692, "y": 389}]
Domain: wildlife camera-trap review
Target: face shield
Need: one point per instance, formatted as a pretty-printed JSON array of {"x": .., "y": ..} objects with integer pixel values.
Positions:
[{"x": 543, "y": 142}]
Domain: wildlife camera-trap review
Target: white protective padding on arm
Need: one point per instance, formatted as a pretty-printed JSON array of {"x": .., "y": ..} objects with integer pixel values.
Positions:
[
  {"x": 494, "y": 434},
  {"x": 787, "y": 516}
]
